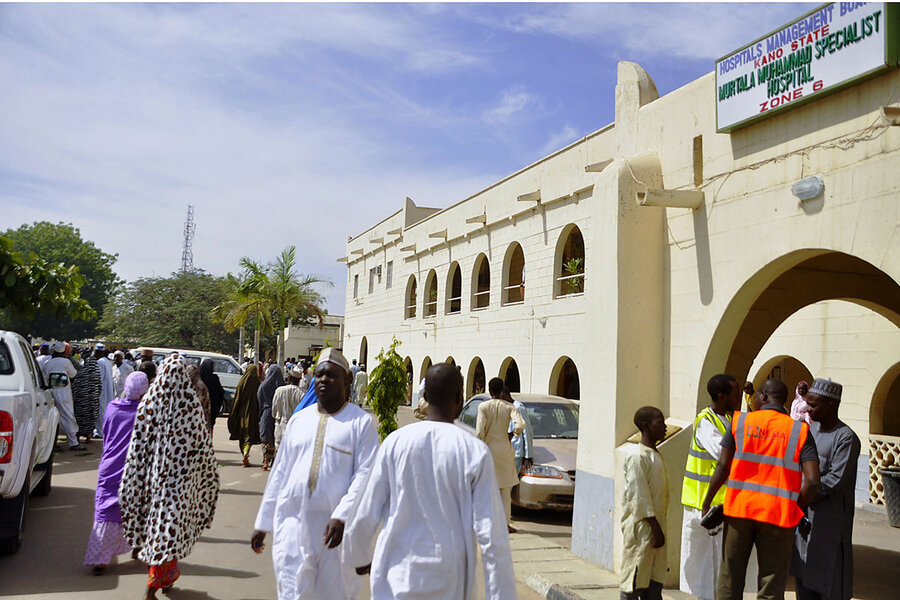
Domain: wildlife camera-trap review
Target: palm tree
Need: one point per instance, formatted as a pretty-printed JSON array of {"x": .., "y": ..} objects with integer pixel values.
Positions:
[
  {"x": 247, "y": 300},
  {"x": 292, "y": 295}
]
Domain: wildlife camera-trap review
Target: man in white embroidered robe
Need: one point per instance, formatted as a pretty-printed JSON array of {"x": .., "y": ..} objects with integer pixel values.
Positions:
[
  {"x": 433, "y": 492},
  {"x": 321, "y": 466}
]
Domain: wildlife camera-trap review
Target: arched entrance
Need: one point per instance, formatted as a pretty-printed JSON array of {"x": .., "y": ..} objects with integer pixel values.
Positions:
[
  {"x": 426, "y": 364},
  {"x": 783, "y": 368},
  {"x": 780, "y": 289},
  {"x": 364, "y": 352},
  {"x": 450, "y": 361},
  {"x": 509, "y": 373},
  {"x": 784, "y": 287},
  {"x": 475, "y": 379},
  {"x": 564, "y": 379},
  {"x": 407, "y": 363}
]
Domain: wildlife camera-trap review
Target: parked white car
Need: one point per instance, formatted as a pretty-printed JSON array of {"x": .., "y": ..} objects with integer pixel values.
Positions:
[
  {"x": 228, "y": 370},
  {"x": 28, "y": 424}
]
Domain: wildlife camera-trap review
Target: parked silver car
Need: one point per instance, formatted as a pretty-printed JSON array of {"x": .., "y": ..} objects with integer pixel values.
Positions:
[{"x": 550, "y": 483}]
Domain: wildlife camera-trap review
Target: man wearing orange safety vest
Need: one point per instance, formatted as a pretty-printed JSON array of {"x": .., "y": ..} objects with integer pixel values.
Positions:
[{"x": 772, "y": 468}]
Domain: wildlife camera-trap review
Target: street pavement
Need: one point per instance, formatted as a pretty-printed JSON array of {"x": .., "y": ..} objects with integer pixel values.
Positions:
[{"x": 221, "y": 567}]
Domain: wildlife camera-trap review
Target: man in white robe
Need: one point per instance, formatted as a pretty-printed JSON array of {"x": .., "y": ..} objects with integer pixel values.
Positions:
[
  {"x": 645, "y": 499},
  {"x": 62, "y": 397},
  {"x": 433, "y": 487},
  {"x": 286, "y": 399},
  {"x": 121, "y": 371},
  {"x": 107, "y": 385},
  {"x": 320, "y": 469}
]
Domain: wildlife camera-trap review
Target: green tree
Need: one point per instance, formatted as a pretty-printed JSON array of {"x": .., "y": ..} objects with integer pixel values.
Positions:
[
  {"x": 292, "y": 295},
  {"x": 173, "y": 311},
  {"x": 27, "y": 287},
  {"x": 245, "y": 301},
  {"x": 387, "y": 388},
  {"x": 62, "y": 243}
]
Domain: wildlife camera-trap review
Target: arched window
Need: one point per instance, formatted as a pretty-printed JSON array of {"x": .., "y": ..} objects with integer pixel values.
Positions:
[
  {"x": 475, "y": 382},
  {"x": 410, "y": 310},
  {"x": 514, "y": 275},
  {"x": 363, "y": 351},
  {"x": 454, "y": 290},
  {"x": 431, "y": 294},
  {"x": 569, "y": 265},
  {"x": 481, "y": 283},
  {"x": 564, "y": 379},
  {"x": 426, "y": 364},
  {"x": 509, "y": 373}
]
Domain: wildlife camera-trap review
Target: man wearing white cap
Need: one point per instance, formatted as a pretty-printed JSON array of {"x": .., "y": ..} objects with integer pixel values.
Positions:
[
  {"x": 823, "y": 554},
  {"x": 286, "y": 399},
  {"x": 62, "y": 396},
  {"x": 320, "y": 469},
  {"x": 107, "y": 385}
]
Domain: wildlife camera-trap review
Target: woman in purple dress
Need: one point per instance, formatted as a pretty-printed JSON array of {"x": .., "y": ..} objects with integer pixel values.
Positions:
[{"x": 107, "y": 538}]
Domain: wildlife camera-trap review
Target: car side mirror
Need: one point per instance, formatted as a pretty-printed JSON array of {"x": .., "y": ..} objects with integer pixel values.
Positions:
[{"x": 59, "y": 380}]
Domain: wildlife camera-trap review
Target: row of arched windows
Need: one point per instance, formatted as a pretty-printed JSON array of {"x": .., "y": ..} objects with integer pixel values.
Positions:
[
  {"x": 563, "y": 382},
  {"x": 569, "y": 269}
]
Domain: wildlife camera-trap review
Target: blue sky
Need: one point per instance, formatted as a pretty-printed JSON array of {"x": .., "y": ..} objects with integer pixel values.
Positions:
[{"x": 305, "y": 123}]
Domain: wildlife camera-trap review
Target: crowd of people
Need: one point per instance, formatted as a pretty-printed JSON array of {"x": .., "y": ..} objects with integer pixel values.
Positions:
[
  {"x": 771, "y": 481},
  {"x": 766, "y": 492}
]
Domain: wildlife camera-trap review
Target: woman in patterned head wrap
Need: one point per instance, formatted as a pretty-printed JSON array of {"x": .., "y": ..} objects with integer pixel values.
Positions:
[
  {"x": 171, "y": 483},
  {"x": 86, "y": 397},
  {"x": 243, "y": 422},
  {"x": 265, "y": 394},
  {"x": 107, "y": 537}
]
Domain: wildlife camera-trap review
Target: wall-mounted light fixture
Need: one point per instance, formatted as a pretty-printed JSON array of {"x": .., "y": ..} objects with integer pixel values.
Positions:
[
  {"x": 543, "y": 321},
  {"x": 808, "y": 188}
]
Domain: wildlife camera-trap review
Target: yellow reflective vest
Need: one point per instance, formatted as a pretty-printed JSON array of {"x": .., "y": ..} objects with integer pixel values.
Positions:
[{"x": 701, "y": 465}]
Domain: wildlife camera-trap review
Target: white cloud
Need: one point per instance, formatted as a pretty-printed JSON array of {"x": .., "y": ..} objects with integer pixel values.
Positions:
[
  {"x": 513, "y": 103},
  {"x": 560, "y": 139}
]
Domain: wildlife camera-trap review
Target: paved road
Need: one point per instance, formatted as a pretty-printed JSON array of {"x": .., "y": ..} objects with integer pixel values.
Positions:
[{"x": 222, "y": 566}]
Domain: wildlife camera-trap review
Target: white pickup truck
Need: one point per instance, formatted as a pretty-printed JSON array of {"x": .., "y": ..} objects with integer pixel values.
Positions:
[{"x": 28, "y": 422}]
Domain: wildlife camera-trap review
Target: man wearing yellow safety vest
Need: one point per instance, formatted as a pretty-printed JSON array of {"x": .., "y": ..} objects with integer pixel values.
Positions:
[
  {"x": 772, "y": 467},
  {"x": 701, "y": 551}
]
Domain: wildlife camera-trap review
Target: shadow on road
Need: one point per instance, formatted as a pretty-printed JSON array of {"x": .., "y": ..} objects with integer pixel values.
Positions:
[
  {"x": 208, "y": 571},
  {"x": 214, "y": 540},
  {"x": 68, "y": 513},
  {"x": 234, "y": 492}
]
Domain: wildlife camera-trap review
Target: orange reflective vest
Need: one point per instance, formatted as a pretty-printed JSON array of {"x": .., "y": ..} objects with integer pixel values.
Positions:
[{"x": 765, "y": 479}]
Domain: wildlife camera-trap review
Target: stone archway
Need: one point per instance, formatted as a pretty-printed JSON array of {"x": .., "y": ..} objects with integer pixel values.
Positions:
[
  {"x": 476, "y": 381},
  {"x": 780, "y": 289},
  {"x": 410, "y": 382},
  {"x": 509, "y": 373},
  {"x": 363, "y": 352},
  {"x": 564, "y": 380},
  {"x": 784, "y": 368}
]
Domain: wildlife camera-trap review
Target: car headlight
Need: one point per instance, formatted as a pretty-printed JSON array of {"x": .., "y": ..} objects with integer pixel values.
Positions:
[{"x": 543, "y": 471}]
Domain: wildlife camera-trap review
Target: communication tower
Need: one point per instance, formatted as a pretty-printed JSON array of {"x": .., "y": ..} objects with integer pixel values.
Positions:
[{"x": 187, "y": 252}]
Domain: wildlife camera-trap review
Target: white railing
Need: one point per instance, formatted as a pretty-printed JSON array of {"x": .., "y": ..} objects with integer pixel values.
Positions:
[
  {"x": 884, "y": 451},
  {"x": 518, "y": 287},
  {"x": 458, "y": 305},
  {"x": 562, "y": 286}
]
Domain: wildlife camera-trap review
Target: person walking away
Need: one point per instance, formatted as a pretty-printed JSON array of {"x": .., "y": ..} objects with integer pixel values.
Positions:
[
  {"x": 434, "y": 490},
  {"x": 265, "y": 395},
  {"x": 749, "y": 394},
  {"x": 492, "y": 427},
  {"x": 799, "y": 407},
  {"x": 107, "y": 386},
  {"x": 86, "y": 397},
  {"x": 243, "y": 422},
  {"x": 216, "y": 391},
  {"x": 360, "y": 384},
  {"x": 171, "y": 483},
  {"x": 286, "y": 399},
  {"x": 319, "y": 472},
  {"x": 107, "y": 536},
  {"x": 200, "y": 389},
  {"x": 43, "y": 355},
  {"x": 701, "y": 549},
  {"x": 772, "y": 468},
  {"x": 121, "y": 371},
  {"x": 645, "y": 499},
  {"x": 62, "y": 396},
  {"x": 823, "y": 554},
  {"x": 523, "y": 445}
]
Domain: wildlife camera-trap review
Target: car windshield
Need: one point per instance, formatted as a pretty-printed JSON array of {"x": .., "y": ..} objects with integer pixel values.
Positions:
[{"x": 558, "y": 421}]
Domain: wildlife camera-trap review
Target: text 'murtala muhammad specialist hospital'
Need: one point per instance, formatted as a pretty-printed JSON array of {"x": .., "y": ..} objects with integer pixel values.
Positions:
[{"x": 748, "y": 223}]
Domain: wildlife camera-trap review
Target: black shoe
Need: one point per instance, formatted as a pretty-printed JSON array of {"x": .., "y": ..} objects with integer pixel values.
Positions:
[{"x": 77, "y": 448}]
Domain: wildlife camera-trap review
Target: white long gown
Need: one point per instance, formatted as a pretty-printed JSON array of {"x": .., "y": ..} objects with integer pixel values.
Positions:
[
  {"x": 320, "y": 468},
  {"x": 433, "y": 486}
]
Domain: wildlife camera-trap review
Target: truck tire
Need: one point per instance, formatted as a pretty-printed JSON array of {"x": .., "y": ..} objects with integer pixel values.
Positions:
[
  {"x": 43, "y": 488},
  {"x": 12, "y": 519}
]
